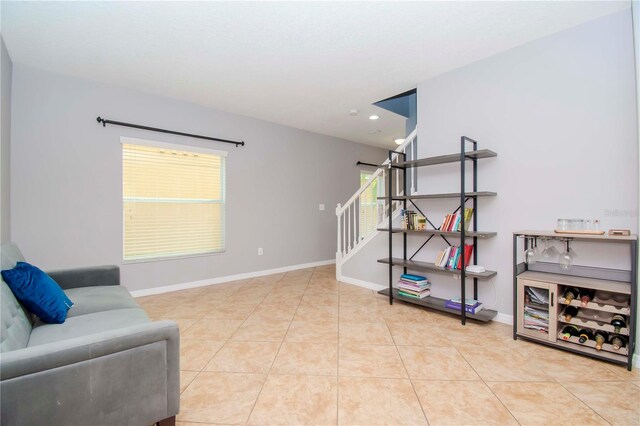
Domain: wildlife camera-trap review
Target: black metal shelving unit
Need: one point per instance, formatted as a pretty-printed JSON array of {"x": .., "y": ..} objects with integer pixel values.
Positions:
[{"x": 407, "y": 262}]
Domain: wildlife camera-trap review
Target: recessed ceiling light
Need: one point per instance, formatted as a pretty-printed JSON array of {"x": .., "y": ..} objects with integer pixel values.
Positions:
[
  {"x": 373, "y": 117},
  {"x": 353, "y": 112},
  {"x": 399, "y": 141}
]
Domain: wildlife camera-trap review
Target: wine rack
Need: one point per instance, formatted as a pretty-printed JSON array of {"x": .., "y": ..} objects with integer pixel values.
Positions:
[
  {"x": 606, "y": 347},
  {"x": 615, "y": 294},
  {"x": 594, "y": 325}
]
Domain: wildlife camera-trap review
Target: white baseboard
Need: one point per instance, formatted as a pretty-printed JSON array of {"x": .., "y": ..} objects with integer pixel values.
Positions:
[
  {"x": 504, "y": 318},
  {"x": 226, "y": 279},
  {"x": 361, "y": 283}
]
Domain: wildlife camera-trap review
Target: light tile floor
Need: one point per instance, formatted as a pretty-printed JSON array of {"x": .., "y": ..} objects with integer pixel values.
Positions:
[{"x": 301, "y": 348}]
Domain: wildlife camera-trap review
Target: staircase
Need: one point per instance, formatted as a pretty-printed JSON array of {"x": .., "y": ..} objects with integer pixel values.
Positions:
[{"x": 361, "y": 216}]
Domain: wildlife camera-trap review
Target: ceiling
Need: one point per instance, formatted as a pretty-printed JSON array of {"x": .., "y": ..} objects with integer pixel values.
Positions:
[{"x": 300, "y": 64}]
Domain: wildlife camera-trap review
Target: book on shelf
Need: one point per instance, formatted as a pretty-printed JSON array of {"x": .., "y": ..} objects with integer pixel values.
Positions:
[
  {"x": 468, "y": 302},
  {"x": 468, "y": 250},
  {"x": 445, "y": 257},
  {"x": 414, "y": 278},
  {"x": 451, "y": 257},
  {"x": 454, "y": 222},
  {"x": 411, "y": 221},
  {"x": 414, "y": 287},
  {"x": 469, "y": 308},
  {"x": 414, "y": 295},
  {"x": 468, "y": 214}
]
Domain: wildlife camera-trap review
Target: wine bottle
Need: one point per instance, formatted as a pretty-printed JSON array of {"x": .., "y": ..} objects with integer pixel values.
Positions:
[
  {"x": 570, "y": 312},
  {"x": 586, "y": 296},
  {"x": 618, "y": 322},
  {"x": 618, "y": 341},
  {"x": 585, "y": 334},
  {"x": 570, "y": 330},
  {"x": 570, "y": 293},
  {"x": 600, "y": 338}
]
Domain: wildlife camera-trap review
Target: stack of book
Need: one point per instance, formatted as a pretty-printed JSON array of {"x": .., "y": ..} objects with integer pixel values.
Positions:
[
  {"x": 412, "y": 221},
  {"x": 451, "y": 257},
  {"x": 414, "y": 286},
  {"x": 472, "y": 306},
  {"x": 454, "y": 222}
]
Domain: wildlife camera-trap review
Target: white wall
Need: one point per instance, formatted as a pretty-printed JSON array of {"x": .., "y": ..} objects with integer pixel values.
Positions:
[
  {"x": 561, "y": 114},
  {"x": 66, "y": 180},
  {"x": 5, "y": 152}
]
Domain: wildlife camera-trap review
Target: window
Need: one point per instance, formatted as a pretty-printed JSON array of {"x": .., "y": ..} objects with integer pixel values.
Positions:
[
  {"x": 173, "y": 200},
  {"x": 368, "y": 205}
]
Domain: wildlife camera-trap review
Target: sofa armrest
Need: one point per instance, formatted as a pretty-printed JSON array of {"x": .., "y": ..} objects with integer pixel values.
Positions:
[
  {"x": 39, "y": 358},
  {"x": 86, "y": 277},
  {"x": 104, "y": 378}
]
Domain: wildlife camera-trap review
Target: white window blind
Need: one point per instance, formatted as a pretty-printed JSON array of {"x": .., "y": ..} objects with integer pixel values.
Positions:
[{"x": 173, "y": 201}]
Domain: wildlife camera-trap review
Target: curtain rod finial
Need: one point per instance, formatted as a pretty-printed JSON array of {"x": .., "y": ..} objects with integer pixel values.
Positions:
[{"x": 100, "y": 120}]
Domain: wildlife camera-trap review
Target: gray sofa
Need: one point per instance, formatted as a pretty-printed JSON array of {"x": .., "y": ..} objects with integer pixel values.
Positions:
[{"x": 107, "y": 364}]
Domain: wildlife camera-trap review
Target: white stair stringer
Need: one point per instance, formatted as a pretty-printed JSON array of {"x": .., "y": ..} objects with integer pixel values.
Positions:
[{"x": 356, "y": 226}]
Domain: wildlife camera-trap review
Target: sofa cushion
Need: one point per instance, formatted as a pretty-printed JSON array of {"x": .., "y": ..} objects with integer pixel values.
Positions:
[
  {"x": 38, "y": 292},
  {"x": 15, "y": 322},
  {"x": 84, "y": 325},
  {"x": 88, "y": 300}
]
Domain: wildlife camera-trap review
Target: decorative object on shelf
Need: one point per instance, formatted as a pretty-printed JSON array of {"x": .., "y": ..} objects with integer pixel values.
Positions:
[
  {"x": 475, "y": 269},
  {"x": 584, "y": 309},
  {"x": 578, "y": 226},
  {"x": 462, "y": 223},
  {"x": 619, "y": 232}
]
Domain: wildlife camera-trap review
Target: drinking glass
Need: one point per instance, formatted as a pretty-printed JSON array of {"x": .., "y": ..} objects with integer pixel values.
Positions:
[
  {"x": 549, "y": 252},
  {"x": 530, "y": 253},
  {"x": 566, "y": 258}
]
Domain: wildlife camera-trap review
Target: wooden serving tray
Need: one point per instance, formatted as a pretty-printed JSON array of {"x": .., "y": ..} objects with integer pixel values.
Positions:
[{"x": 557, "y": 231}]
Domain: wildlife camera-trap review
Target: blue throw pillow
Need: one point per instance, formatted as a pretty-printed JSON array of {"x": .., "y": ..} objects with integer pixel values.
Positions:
[{"x": 38, "y": 292}]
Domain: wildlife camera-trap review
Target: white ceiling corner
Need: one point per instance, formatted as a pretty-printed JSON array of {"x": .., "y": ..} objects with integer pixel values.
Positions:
[{"x": 300, "y": 64}]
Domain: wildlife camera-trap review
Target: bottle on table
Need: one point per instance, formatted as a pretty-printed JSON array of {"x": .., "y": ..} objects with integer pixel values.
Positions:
[
  {"x": 585, "y": 334},
  {"x": 601, "y": 337},
  {"x": 618, "y": 341},
  {"x": 570, "y": 312},
  {"x": 570, "y": 293},
  {"x": 570, "y": 330},
  {"x": 618, "y": 322},
  {"x": 586, "y": 296}
]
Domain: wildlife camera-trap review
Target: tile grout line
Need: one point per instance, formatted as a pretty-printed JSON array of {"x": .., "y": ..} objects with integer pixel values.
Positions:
[
  {"x": 424, "y": 413},
  {"x": 277, "y": 353},
  {"x": 487, "y": 386},
  {"x": 584, "y": 402}
]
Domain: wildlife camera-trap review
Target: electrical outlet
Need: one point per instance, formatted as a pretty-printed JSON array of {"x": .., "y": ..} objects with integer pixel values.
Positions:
[
  {"x": 321, "y": 207},
  {"x": 260, "y": 252}
]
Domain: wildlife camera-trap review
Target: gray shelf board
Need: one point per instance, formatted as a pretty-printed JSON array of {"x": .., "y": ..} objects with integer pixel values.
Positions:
[
  {"x": 436, "y": 303},
  {"x": 586, "y": 237},
  {"x": 443, "y": 195},
  {"x": 469, "y": 234},
  {"x": 449, "y": 158},
  {"x": 574, "y": 281},
  {"x": 428, "y": 266}
]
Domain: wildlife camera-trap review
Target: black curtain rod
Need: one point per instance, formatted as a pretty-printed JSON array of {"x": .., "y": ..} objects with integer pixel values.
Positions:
[
  {"x": 366, "y": 164},
  {"x": 155, "y": 129}
]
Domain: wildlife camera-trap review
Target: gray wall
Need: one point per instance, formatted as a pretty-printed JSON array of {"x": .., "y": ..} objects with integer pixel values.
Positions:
[
  {"x": 561, "y": 114},
  {"x": 6, "y": 72},
  {"x": 66, "y": 180}
]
